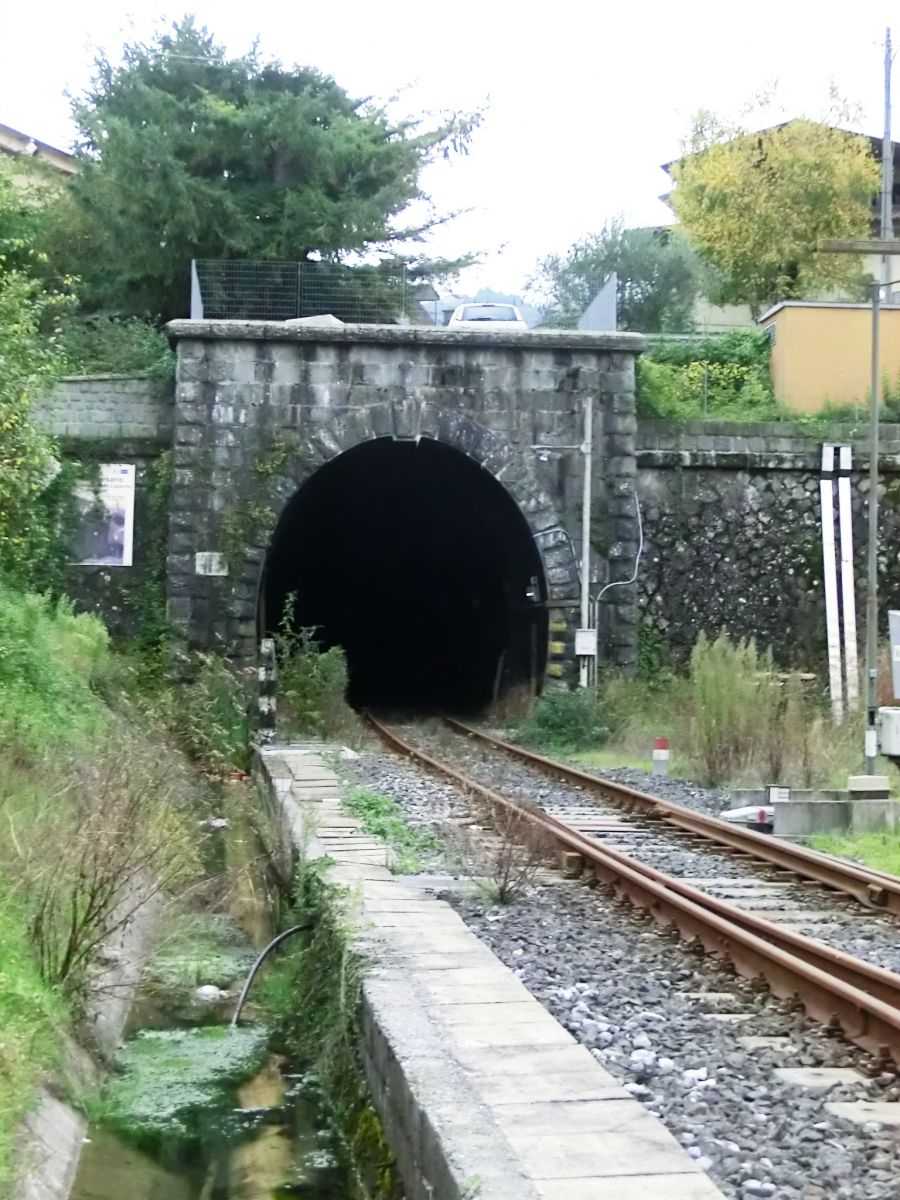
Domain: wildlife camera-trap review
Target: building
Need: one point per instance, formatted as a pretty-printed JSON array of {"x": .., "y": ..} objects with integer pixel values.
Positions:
[
  {"x": 822, "y": 352},
  {"x": 27, "y": 150},
  {"x": 709, "y": 317}
]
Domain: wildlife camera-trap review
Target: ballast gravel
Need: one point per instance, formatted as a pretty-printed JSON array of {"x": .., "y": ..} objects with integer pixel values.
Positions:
[
  {"x": 617, "y": 982},
  {"x": 864, "y": 933}
]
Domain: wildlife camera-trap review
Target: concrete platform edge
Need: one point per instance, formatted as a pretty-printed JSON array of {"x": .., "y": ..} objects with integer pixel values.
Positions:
[{"x": 453, "y": 1089}]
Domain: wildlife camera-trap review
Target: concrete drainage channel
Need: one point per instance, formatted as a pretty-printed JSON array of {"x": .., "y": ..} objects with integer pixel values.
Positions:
[
  {"x": 770, "y": 1103},
  {"x": 191, "y": 1109},
  {"x": 482, "y": 1092}
]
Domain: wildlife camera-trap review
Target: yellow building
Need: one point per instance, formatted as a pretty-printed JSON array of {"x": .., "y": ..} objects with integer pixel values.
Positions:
[{"x": 822, "y": 352}]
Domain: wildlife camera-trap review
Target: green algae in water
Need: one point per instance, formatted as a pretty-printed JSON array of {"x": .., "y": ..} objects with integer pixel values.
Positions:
[
  {"x": 207, "y": 949},
  {"x": 168, "y": 1078}
]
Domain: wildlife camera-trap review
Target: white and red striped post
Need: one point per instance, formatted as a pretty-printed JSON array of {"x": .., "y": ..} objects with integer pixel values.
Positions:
[{"x": 661, "y": 756}]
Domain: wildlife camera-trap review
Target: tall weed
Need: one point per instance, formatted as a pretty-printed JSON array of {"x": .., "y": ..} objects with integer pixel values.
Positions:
[
  {"x": 735, "y": 705},
  {"x": 312, "y": 684}
]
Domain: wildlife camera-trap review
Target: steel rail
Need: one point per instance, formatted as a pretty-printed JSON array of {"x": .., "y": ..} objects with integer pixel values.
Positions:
[
  {"x": 836, "y": 989},
  {"x": 875, "y": 889}
]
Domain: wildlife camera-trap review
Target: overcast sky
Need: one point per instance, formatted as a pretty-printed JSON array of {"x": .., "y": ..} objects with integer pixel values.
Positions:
[{"x": 584, "y": 101}]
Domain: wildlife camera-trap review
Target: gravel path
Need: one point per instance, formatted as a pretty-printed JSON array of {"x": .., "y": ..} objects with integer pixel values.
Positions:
[{"x": 615, "y": 981}]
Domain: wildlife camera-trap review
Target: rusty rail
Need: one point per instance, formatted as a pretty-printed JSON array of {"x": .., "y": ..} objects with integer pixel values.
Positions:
[
  {"x": 875, "y": 889},
  {"x": 835, "y": 988}
]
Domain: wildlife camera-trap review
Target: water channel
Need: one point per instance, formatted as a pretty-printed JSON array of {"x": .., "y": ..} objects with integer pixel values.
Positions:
[{"x": 266, "y": 1138}]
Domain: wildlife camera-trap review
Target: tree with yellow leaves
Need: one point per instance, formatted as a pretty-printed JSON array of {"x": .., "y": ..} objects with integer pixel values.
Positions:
[{"x": 754, "y": 206}]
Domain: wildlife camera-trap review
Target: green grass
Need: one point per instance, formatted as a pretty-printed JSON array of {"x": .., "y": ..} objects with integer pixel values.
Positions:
[
  {"x": 878, "y": 850},
  {"x": 48, "y": 659},
  {"x": 613, "y": 757},
  {"x": 31, "y": 1018},
  {"x": 383, "y": 817}
]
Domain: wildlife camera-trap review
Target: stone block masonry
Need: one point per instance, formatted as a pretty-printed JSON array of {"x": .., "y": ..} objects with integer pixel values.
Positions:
[
  {"x": 115, "y": 419},
  {"x": 481, "y": 1092},
  {"x": 259, "y": 407},
  {"x": 108, "y": 408}
]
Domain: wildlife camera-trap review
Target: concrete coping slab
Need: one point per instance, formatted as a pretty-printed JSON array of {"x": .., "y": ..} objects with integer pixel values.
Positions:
[
  {"x": 820, "y": 1079},
  {"x": 404, "y": 335},
  {"x": 863, "y": 1112}
]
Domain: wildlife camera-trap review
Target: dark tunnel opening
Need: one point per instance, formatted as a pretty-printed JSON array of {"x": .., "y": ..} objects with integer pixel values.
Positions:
[{"x": 421, "y": 566}]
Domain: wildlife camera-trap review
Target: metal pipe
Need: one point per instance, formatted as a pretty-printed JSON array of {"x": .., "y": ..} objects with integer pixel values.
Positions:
[
  {"x": 276, "y": 941},
  {"x": 587, "y": 451}
]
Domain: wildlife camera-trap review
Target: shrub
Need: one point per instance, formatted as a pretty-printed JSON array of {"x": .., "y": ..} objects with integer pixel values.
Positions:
[
  {"x": 312, "y": 684},
  {"x": 104, "y": 345},
  {"x": 505, "y": 861},
  {"x": 575, "y": 720},
  {"x": 210, "y": 714},
  {"x": 725, "y": 376}
]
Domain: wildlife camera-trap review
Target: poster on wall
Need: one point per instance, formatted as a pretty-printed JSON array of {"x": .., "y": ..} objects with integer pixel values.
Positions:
[{"x": 104, "y": 534}]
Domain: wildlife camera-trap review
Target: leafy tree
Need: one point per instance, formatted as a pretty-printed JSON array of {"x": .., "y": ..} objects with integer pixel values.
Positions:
[
  {"x": 754, "y": 206},
  {"x": 187, "y": 153},
  {"x": 656, "y": 274}
]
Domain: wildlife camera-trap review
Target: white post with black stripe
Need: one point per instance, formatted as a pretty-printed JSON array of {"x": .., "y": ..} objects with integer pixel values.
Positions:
[{"x": 268, "y": 676}]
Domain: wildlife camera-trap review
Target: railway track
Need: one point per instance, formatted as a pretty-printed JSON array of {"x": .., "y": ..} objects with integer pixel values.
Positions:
[{"x": 843, "y": 992}]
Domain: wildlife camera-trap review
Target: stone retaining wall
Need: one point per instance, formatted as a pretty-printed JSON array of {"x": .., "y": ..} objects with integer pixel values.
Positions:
[
  {"x": 732, "y": 532},
  {"x": 108, "y": 407}
]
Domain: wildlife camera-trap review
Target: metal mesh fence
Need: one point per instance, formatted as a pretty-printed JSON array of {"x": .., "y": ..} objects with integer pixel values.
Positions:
[{"x": 280, "y": 291}]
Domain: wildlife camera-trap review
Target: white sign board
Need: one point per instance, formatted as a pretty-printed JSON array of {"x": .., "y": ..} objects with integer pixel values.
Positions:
[
  {"x": 210, "y": 562},
  {"x": 105, "y": 533}
]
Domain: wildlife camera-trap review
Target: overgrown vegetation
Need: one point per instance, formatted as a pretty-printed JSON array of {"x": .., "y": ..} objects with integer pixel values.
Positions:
[
  {"x": 725, "y": 377},
  {"x": 313, "y": 997},
  {"x": 732, "y": 719},
  {"x": 99, "y": 344},
  {"x": 577, "y": 720},
  {"x": 30, "y": 361},
  {"x": 96, "y": 814},
  {"x": 383, "y": 817},
  {"x": 312, "y": 685},
  {"x": 166, "y": 1079}
]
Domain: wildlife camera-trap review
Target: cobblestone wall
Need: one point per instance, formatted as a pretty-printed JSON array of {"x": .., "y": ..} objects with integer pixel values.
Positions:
[
  {"x": 259, "y": 407},
  {"x": 733, "y": 535}
]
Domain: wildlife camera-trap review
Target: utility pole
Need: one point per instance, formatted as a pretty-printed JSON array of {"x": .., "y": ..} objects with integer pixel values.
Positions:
[
  {"x": 887, "y": 247},
  {"x": 887, "y": 160}
]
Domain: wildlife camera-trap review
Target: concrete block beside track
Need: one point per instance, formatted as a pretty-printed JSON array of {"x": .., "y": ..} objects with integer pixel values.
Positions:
[{"x": 480, "y": 1090}]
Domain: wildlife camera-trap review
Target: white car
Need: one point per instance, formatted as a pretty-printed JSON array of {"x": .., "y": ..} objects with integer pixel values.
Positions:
[{"x": 483, "y": 316}]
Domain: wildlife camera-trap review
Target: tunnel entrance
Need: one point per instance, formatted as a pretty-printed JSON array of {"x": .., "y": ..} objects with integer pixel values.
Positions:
[{"x": 418, "y": 563}]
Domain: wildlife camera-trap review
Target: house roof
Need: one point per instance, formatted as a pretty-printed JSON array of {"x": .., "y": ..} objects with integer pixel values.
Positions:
[
  {"x": 21, "y": 145},
  {"x": 875, "y": 143}
]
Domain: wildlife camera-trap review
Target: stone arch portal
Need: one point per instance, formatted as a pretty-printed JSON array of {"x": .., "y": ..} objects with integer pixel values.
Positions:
[{"x": 421, "y": 565}]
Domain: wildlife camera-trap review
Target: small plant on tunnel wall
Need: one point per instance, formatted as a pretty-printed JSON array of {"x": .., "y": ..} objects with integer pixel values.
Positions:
[{"x": 312, "y": 683}]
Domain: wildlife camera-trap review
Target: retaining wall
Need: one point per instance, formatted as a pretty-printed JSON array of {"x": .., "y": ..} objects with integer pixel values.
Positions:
[{"x": 732, "y": 532}]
